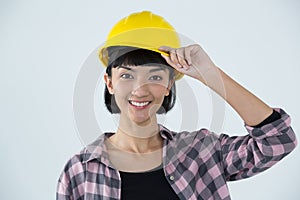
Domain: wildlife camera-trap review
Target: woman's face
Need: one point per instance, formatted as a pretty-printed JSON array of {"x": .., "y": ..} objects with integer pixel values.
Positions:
[{"x": 139, "y": 90}]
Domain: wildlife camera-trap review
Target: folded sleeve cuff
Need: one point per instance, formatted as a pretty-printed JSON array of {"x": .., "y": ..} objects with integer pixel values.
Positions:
[{"x": 276, "y": 127}]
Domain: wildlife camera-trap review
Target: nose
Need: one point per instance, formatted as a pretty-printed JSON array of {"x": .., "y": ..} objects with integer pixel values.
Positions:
[{"x": 140, "y": 89}]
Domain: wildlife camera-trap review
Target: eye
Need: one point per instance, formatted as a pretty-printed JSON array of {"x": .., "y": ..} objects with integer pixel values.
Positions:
[
  {"x": 155, "y": 78},
  {"x": 126, "y": 76}
]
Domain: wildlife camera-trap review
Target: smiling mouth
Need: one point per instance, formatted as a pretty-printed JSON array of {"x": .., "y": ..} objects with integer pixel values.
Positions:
[{"x": 140, "y": 104}]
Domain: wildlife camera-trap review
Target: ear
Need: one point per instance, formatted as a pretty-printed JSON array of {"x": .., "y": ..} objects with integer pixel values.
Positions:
[
  {"x": 108, "y": 83},
  {"x": 171, "y": 82}
]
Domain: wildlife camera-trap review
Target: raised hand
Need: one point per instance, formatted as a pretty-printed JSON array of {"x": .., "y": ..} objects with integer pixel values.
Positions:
[{"x": 191, "y": 60}]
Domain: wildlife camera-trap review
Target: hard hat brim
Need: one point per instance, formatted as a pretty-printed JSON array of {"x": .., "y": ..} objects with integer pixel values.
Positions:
[{"x": 103, "y": 56}]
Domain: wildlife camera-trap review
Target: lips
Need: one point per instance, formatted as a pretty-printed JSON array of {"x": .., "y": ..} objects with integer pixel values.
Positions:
[{"x": 139, "y": 104}]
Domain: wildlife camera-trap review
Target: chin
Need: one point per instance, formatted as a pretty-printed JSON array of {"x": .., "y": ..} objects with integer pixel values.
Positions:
[{"x": 141, "y": 121}]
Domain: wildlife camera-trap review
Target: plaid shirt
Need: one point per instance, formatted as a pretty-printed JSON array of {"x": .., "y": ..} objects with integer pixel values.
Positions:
[{"x": 196, "y": 164}]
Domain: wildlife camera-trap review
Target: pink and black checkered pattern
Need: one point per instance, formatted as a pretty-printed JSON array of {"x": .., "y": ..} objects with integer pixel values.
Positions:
[{"x": 197, "y": 164}]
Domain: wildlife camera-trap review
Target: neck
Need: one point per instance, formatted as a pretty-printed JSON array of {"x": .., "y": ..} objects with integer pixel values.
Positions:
[{"x": 138, "y": 137}]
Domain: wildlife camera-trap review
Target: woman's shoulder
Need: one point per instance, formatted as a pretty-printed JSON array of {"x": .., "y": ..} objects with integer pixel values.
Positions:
[
  {"x": 189, "y": 143},
  {"x": 94, "y": 150},
  {"x": 185, "y": 134},
  {"x": 185, "y": 140}
]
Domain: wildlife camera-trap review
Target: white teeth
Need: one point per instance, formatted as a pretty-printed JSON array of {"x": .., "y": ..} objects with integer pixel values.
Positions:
[{"x": 140, "y": 104}]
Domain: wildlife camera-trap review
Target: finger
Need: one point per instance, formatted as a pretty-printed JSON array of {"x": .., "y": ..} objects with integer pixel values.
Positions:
[
  {"x": 167, "y": 58},
  {"x": 181, "y": 58},
  {"x": 187, "y": 55},
  {"x": 165, "y": 49},
  {"x": 174, "y": 59},
  {"x": 169, "y": 61}
]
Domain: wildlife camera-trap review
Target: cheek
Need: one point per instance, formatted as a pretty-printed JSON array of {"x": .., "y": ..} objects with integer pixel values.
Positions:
[
  {"x": 121, "y": 87},
  {"x": 121, "y": 93},
  {"x": 159, "y": 91}
]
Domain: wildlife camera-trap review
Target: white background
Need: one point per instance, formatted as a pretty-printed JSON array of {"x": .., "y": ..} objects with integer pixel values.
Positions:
[{"x": 43, "y": 45}]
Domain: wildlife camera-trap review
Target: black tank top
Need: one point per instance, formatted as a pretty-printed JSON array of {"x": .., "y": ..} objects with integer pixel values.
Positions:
[{"x": 150, "y": 185}]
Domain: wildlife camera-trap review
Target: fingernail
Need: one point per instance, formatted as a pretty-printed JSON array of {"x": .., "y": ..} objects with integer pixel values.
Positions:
[
  {"x": 178, "y": 65},
  {"x": 185, "y": 67}
]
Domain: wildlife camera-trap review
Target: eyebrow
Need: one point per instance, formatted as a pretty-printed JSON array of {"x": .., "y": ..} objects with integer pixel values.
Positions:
[
  {"x": 128, "y": 68},
  {"x": 157, "y": 68}
]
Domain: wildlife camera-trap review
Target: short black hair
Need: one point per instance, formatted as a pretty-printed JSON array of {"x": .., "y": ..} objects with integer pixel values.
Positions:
[{"x": 124, "y": 55}]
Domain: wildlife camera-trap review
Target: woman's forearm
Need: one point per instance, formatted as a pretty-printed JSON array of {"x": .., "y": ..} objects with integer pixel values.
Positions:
[{"x": 250, "y": 108}]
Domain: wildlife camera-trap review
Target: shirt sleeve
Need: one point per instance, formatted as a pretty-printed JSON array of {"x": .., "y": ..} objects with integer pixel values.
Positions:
[
  {"x": 245, "y": 156},
  {"x": 62, "y": 192},
  {"x": 63, "y": 186},
  {"x": 69, "y": 185}
]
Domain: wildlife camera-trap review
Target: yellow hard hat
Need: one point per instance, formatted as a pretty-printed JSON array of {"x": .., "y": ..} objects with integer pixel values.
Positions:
[{"x": 142, "y": 30}]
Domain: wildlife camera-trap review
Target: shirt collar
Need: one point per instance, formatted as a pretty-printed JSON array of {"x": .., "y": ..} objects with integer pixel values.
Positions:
[
  {"x": 165, "y": 133},
  {"x": 97, "y": 150}
]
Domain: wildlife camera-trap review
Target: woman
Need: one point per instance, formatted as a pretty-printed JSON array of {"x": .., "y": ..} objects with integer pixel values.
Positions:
[{"x": 144, "y": 160}]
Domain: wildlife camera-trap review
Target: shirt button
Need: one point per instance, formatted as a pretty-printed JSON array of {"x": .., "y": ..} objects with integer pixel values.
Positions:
[{"x": 172, "y": 178}]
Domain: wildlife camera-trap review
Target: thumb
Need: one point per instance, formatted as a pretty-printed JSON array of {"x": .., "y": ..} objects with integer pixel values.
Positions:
[{"x": 165, "y": 48}]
